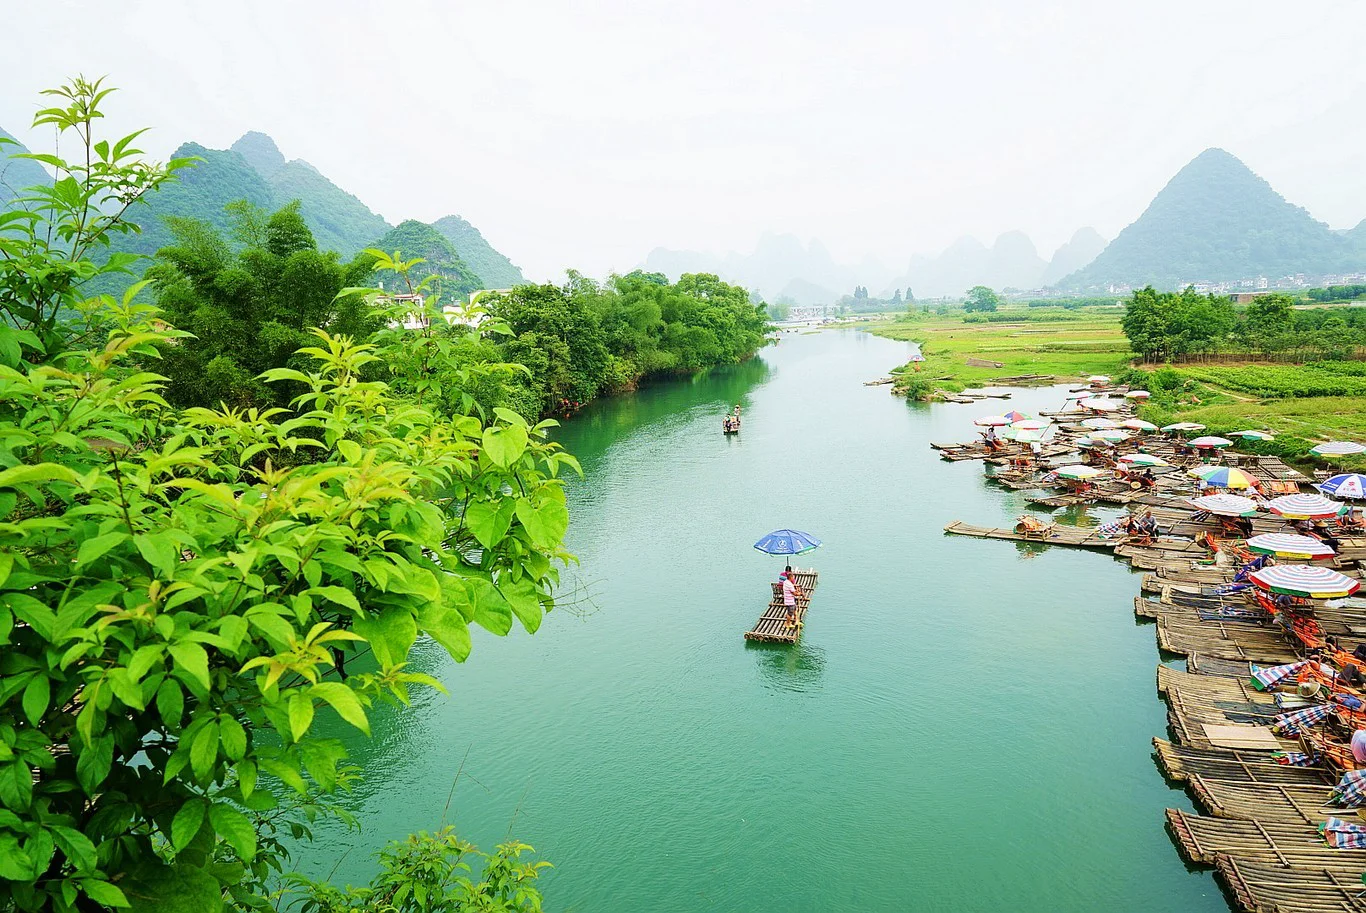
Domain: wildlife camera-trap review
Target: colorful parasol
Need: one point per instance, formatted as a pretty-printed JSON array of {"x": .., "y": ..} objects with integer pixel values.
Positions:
[
  {"x": 1137, "y": 424},
  {"x": 1184, "y": 426},
  {"x": 1017, "y": 417},
  {"x": 1338, "y": 448},
  {"x": 1030, "y": 424},
  {"x": 1305, "y": 507},
  {"x": 991, "y": 421},
  {"x": 1304, "y": 580},
  {"x": 1287, "y": 545},
  {"x": 1224, "y": 505},
  {"x": 787, "y": 542},
  {"x": 1099, "y": 424},
  {"x": 1079, "y": 473},
  {"x": 1224, "y": 477},
  {"x": 1344, "y": 485},
  {"x": 1100, "y": 404},
  {"x": 1098, "y": 379},
  {"x": 1255, "y": 435},
  {"x": 1109, "y": 436},
  {"x": 1211, "y": 443},
  {"x": 1137, "y": 394},
  {"x": 1143, "y": 459}
]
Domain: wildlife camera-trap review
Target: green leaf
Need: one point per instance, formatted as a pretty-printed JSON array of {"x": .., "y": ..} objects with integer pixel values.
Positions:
[
  {"x": 103, "y": 893},
  {"x": 546, "y": 524},
  {"x": 93, "y": 548},
  {"x": 246, "y": 778},
  {"x": 489, "y": 520},
  {"x": 340, "y": 595},
  {"x": 40, "y": 472},
  {"x": 37, "y": 695},
  {"x": 233, "y": 826},
  {"x": 300, "y": 715},
  {"x": 446, "y": 626},
  {"x": 390, "y": 634},
  {"x": 233, "y": 737},
  {"x": 343, "y": 700},
  {"x": 32, "y": 612},
  {"x": 186, "y": 823},
  {"x": 204, "y": 750},
  {"x": 491, "y": 610},
  {"x": 191, "y": 664},
  {"x": 183, "y": 888},
  {"x": 94, "y": 763},
  {"x": 15, "y": 864},
  {"x": 505, "y": 445},
  {"x": 525, "y": 603},
  {"x": 16, "y": 785},
  {"x": 161, "y": 551},
  {"x": 77, "y": 847},
  {"x": 170, "y": 703}
]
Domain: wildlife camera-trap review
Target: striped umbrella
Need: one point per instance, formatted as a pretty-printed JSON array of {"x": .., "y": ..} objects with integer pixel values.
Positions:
[
  {"x": 991, "y": 421},
  {"x": 1255, "y": 435},
  {"x": 1224, "y": 477},
  {"x": 1268, "y": 677},
  {"x": 1137, "y": 424},
  {"x": 1143, "y": 459},
  {"x": 1211, "y": 443},
  {"x": 1224, "y": 505},
  {"x": 1099, "y": 424},
  {"x": 1344, "y": 485},
  {"x": 1286, "y": 545},
  {"x": 1304, "y": 507},
  {"x": 1296, "y": 721},
  {"x": 1184, "y": 426},
  {"x": 1137, "y": 394},
  {"x": 1024, "y": 435},
  {"x": 1079, "y": 473},
  {"x": 1109, "y": 436},
  {"x": 1017, "y": 417},
  {"x": 1100, "y": 404},
  {"x": 1030, "y": 424},
  {"x": 1303, "y": 580},
  {"x": 1338, "y": 448},
  {"x": 1351, "y": 790}
]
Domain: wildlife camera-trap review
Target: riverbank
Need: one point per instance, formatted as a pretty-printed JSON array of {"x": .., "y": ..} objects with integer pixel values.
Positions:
[{"x": 960, "y": 351}]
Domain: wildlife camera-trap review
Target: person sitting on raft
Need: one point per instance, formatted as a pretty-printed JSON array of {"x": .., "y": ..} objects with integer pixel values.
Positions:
[{"x": 991, "y": 440}]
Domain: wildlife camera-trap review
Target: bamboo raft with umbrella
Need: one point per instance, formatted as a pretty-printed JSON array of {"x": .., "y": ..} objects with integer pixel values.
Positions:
[{"x": 775, "y": 625}]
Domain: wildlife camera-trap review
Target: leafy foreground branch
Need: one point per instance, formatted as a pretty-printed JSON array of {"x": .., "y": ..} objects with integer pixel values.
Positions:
[{"x": 186, "y": 594}]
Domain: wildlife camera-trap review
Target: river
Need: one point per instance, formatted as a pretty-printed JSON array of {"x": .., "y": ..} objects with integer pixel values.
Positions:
[{"x": 966, "y": 725}]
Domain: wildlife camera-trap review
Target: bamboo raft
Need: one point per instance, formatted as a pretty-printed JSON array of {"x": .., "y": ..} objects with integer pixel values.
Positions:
[{"x": 772, "y": 625}]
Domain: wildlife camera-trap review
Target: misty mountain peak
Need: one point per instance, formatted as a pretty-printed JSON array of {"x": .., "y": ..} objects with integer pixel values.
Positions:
[{"x": 260, "y": 152}]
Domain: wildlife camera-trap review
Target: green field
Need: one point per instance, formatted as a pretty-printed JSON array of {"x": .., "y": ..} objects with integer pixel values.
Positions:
[{"x": 1063, "y": 344}]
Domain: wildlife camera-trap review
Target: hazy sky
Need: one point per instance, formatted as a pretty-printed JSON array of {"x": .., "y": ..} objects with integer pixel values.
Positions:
[{"x": 585, "y": 134}]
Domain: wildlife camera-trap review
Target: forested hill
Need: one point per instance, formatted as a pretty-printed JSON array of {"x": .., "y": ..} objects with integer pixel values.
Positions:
[
  {"x": 1216, "y": 220},
  {"x": 496, "y": 270},
  {"x": 414, "y": 239},
  {"x": 17, "y": 175}
]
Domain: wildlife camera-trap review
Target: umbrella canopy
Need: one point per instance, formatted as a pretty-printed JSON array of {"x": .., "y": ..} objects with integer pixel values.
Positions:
[
  {"x": 991, "y": 421},
  {"x": 1338, "y": 448},
  {"x": 1099, "y": 404},
  {"x": 1024, "y": 435},
  {"x": 1224, "y": 477},
  {"x": 1184, "y": 426},
  {"x": 1303, "y": 580},
  {"x": 1344, "y": 485},
  {"x": 1211, "y": 443},
  {"x": 1143, "y": 459},
  {"x": 1079, "y": 473},
  {"x": 1109, "y": 436},
  {"x": 787, "y": 542},
  {"x": 1099, "y": 424},
  {"x": 917, "y": 357},
  {"x": 1255, "y": 435},
  {"x": 1137, "y": 424},
  {"x": 1351, "y": 790},
  {"x": 1030, "y": 424},
  {"x": 1304, "y": 507},
  {"x": 1137, "y": 394},
  {"x": 1225, "y": 505},
  {"x": 1269, "y": 677},
  {"x": 1098, "y": 379},
  {"x": 1016, "y": 417},
  {"x": 1285, "y": 545}
]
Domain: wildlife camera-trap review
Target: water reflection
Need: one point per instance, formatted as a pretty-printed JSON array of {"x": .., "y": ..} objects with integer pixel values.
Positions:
[{"x": 789, "y": 668}]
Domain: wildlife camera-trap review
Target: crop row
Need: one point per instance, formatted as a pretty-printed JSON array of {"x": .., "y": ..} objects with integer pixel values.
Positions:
[{"x": 1287, "y": 381}]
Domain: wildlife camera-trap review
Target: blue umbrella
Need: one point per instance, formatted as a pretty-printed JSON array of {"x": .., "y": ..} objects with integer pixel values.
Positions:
[{"x": 787, "y": 542}]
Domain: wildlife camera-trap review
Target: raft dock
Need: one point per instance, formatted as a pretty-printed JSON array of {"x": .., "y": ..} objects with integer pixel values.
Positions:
[{"x": 772, "y": 625}]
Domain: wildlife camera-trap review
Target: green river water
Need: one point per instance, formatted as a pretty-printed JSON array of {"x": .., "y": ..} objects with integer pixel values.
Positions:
[{"x": 965, "y": 726}]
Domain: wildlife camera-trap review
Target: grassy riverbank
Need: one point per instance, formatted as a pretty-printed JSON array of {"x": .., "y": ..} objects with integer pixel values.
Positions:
[{"x": 1061, "y": 343}]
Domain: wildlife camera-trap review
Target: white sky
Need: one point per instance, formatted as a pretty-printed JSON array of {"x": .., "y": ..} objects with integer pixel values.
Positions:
[{"x": 585, "y": 134}]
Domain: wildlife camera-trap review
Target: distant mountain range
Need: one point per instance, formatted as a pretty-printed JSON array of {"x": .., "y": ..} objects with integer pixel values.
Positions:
[
  {"x": 1218, "y": 221},
  {"x": 255, "y": 170},
  {"x": 16, "y": 174}
]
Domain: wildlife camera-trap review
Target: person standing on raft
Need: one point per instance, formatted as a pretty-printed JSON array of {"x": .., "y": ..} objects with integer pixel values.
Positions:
[{"x": 790, "y": 593}]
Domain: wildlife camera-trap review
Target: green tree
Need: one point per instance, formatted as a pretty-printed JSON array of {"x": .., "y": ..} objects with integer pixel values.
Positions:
[
  {"x": 981, "y": 298},
  {"x": 181, "y": 600}
]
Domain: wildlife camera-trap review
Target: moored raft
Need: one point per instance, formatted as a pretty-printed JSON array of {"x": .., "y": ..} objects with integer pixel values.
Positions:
[{"x": 772, "y": 625}]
